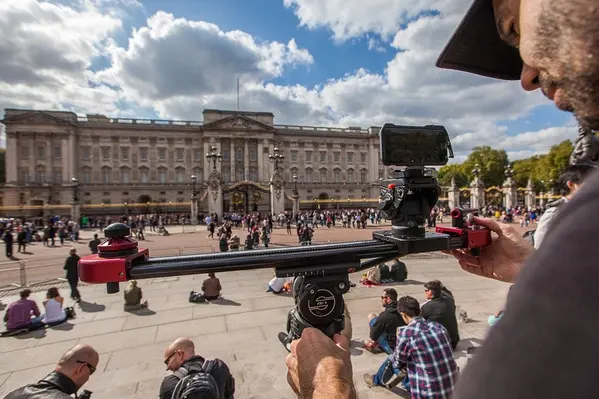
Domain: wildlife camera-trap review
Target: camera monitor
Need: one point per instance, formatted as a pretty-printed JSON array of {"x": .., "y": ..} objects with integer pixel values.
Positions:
[{"x": 415, "y": 145}]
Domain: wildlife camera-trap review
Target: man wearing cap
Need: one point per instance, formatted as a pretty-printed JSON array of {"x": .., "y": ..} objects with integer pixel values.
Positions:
[{"x": 545, "y": 346}]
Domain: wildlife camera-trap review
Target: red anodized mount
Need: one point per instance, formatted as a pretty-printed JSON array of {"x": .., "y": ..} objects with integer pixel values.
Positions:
[
  {"x": 114, "y": 258},
  {"x": 473, "y": 236}
]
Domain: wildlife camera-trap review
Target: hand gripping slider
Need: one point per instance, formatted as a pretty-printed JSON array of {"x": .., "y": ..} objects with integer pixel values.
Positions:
[
  {"x": 464, "y": 234},
  {"x": 114, "y": 259}
]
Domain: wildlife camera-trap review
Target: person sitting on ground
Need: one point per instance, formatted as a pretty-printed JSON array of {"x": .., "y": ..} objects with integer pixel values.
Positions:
[
  {"x": 424, "y": 351},
  {"x": 134, "y": 297},
  {"x": 54, "y": 313},
  {"x": 211, "y": 287},
  {"x": 223, "y": 243},
  {"x": 213, "y": 378},
  {"x": 234, "y": 243},
  {"x": 441, "y": 308},
  {"x": 23, "y": 314},
  {"x": 93, "y": 244},
  {"x": 70, "y": 374},
  {"x": 249, "y": 242},
  {"x": 383, "y": 328}
]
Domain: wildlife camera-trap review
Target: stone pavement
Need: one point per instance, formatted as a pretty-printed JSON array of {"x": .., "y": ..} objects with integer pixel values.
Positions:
[{"x": 241, "y": 330}]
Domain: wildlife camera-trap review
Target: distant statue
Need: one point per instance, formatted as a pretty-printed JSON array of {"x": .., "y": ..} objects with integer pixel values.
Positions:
[{"x": 586, "y": 147}]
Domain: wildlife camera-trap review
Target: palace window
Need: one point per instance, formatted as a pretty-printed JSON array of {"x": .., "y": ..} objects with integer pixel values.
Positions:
[
  {"x": 125, "y": 176},
  {"x": 41, "y": 151},
  {"x": 40, "y": 174},
  {"x": 336, "y": 156},
  {"x": 226, "y": 174},
  {"x": 24, "y": 175},
  {"x": 180, "y": 175},
  {"x": 253, "y": 155},
  {"x": 106, "y": 175},
  {"x": 350, "y": 176},
  {"x": 143, "y": 154},
  {"x": 253, "y": 174},
  {"x": 125, "y": 154},
  {"x": 337, "y": 176},
  {"x": 197, "y": 155},
  {"x": 162, "y": 154},
  {"x": 24, "y": 152},
  {"x": 239, "y": 155},
  {"x": 363, "y": 157},
  {"x": 87, "y": 176},
  {"x": 350, "y": 157},
  {"x": 293, "y": 156},
  {"x": 308, "y": 156},
  {"x": 180, "y": 153},
  {"x": 57, "y": 174},
  {"x": 225, "y": 155},
  {"x": 85, "y": 153},
  {"x": 240, "y": 174},
  {"x": 162, "y": 175},
  {"x": 144, "y": 175},
  {"x": 199, "y": 173},
  {"x": 105, "y": 153},
  {"x": 363, "y": 176},
  {"x": 323, "y": 175},
  {"x": 323, "y": 156},
  {"x": 309, "y": 175},
  {"x": 57, "y": 152}
]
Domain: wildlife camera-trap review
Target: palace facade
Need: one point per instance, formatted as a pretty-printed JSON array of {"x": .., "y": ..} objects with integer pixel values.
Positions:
[{"x": 119, "y": 161}]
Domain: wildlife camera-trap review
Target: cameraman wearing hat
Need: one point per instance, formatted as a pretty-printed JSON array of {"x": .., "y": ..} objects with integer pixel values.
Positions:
[{"x": 545, "y": 346}]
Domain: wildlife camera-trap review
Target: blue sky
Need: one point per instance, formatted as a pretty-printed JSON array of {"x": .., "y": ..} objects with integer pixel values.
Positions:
[{"x": 313, "y": 62}]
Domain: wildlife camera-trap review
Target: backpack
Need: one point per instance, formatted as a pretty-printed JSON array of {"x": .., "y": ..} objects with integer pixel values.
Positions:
[{"x": 197, "y": 385}]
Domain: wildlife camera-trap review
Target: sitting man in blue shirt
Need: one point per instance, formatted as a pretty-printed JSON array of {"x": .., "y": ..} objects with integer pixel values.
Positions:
[{"x": 383, "y": 328}]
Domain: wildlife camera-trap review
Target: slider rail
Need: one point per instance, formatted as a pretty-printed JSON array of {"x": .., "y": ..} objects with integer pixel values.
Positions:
[{"x": 358, "y": 255}]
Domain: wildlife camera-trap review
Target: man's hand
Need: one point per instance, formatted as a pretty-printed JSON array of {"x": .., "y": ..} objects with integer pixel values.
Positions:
[
  {"x": 503, "y": 259},
  {"x": 319, "y": 367}
]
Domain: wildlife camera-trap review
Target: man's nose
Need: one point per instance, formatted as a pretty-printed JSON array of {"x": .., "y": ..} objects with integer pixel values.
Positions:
[{"x": 529, "y": 78}]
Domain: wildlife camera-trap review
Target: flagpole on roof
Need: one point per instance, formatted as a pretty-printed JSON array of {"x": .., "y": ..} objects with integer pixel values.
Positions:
[{"x": 237, "y": 94}]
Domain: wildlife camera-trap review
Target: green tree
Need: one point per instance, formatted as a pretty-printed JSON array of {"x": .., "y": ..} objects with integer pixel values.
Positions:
[
  {"x": 453, "y": 170},
  {"x": 491, "y": 162}
]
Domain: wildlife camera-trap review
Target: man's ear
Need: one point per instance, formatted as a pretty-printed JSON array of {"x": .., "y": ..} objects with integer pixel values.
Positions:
[{"x": 571, "y": 186}]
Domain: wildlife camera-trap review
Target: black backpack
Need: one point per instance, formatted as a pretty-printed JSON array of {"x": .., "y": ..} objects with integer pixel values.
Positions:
[{"x": 198, "y": 384}]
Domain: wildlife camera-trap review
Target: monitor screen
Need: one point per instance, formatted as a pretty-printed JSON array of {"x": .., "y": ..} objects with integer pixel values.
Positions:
[{"x": 414, "y": 146}]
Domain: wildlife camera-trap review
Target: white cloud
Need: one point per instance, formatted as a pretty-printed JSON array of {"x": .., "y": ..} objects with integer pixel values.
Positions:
[{"x": 177, "y": 67}]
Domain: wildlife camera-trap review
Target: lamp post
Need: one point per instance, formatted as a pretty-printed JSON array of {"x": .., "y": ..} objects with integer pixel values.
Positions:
[
  {"x": 75, "y": 183},
  {"x": 508, "y": 171},
  {"x": 295, "y": 184},
  {"x": 214, "y": 156},
  {"x": 476, "y": 170},
  {"x": 295, "y": 196},
  {"x": 276, "y": 158}
]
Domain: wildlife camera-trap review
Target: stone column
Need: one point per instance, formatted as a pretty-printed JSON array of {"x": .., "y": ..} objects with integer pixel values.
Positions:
[
  {"x": 454, "y": 195},
  {"x": 277, "y": 193},
  {"x": 261, "y": 161},
  {"x": 12, "y": 148},
  {"x": 194, "y": 209},
  {"x": 75, "y": 211},
  {"x": 530, "y": 199},
  {"x": 542, "y": 199},
  {"x": 207, "y": 162},
  {"x": 271, "y": 151},
  {"x": 246, "y": 160},
  {"x": 73, "y": 155},
  {"x": 232, "y": 159},
  {"x": 477, "y": 190},
  {"x": 215, "y": 194},
  {"x": 296, "y": 203},
  {"x": 510, "y": 190}
]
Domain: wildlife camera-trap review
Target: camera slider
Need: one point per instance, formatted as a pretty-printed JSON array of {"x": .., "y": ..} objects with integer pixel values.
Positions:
[{"x": 463, "y": 233}]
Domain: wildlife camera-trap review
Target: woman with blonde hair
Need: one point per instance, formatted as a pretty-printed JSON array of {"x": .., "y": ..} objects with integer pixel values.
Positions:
[{"x": 134, "y": 297}]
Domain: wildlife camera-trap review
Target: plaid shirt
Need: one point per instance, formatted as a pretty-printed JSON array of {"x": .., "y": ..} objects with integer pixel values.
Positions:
[{"x": 424, "y": 348}]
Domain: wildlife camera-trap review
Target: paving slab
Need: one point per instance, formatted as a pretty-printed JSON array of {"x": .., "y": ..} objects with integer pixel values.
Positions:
[{"x": 241, "y": 330}]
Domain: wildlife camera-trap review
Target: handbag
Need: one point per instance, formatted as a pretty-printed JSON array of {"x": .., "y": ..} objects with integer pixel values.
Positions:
[{"x": 70, "y": 312}]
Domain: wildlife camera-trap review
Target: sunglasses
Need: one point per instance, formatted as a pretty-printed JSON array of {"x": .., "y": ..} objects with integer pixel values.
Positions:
[
  {"x": 383, "y": 297},
  {"x": 168, "y": 359},
  {"x": 90, "y": 367}
]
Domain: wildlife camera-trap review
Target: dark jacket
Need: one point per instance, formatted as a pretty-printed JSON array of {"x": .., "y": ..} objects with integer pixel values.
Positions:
[
  {"x": 221, "y": 373},
  {"x": 54, "y": 386},
  {"x": 442, "y": 310},
  {"x": 387, "y": 322},
  {"x": 71, "y": 267}
]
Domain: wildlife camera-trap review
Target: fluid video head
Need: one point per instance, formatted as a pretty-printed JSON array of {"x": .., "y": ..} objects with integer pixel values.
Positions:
[{"x": 408, "y": 197}]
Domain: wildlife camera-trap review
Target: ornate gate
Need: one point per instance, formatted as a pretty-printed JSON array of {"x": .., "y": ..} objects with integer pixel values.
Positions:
[
  {"x": 494, "y": 196},
  {"x": 245, "y": 196}
]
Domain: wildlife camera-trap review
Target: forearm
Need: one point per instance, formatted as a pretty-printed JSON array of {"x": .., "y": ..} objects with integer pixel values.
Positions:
[{"x": 337, "y": 388}]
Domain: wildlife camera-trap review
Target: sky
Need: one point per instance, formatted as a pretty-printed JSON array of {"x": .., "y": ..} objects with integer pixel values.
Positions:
[{"x": 310, "y": 62}]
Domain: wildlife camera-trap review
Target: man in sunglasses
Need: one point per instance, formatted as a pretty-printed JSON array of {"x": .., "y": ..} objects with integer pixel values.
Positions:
[{"x": 72, "y": 372}]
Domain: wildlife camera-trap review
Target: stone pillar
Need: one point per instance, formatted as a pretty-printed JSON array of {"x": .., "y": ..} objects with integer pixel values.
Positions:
[
  {"x": 454, "y": 195},
  {"x": 194, "y": 209},
  {"x": 277, "y": 193},
  {"x": 232, "y": 160},
  {"x": 296, "y": 203},
  {"x": 542, "y": 199},
  {"x": 73, "y": 156},
  {"x": 246, "y": 160},
  {"x": 530, "y": 199},
  {"x": 75, "y": 211},
  {"x": 215, "y": 194},
  {"x": 510, "y": 190},
  {"x": 260, "y": 161},
  {"x": 477, "y": 190},
  {"x": 12, "y": 148},
  {"x": 207, "y": 162}
]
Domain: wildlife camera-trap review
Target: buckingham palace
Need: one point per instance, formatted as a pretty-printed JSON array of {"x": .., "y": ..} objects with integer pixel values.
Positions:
[{"x": 122, "y": 161}]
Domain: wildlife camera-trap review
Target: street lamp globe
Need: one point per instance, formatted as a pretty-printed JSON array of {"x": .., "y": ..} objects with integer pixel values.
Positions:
[{"x": 74, "y": 180}]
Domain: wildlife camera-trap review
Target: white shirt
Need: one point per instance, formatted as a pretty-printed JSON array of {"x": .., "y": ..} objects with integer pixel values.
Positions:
[{"x": 54, "y": 312}]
